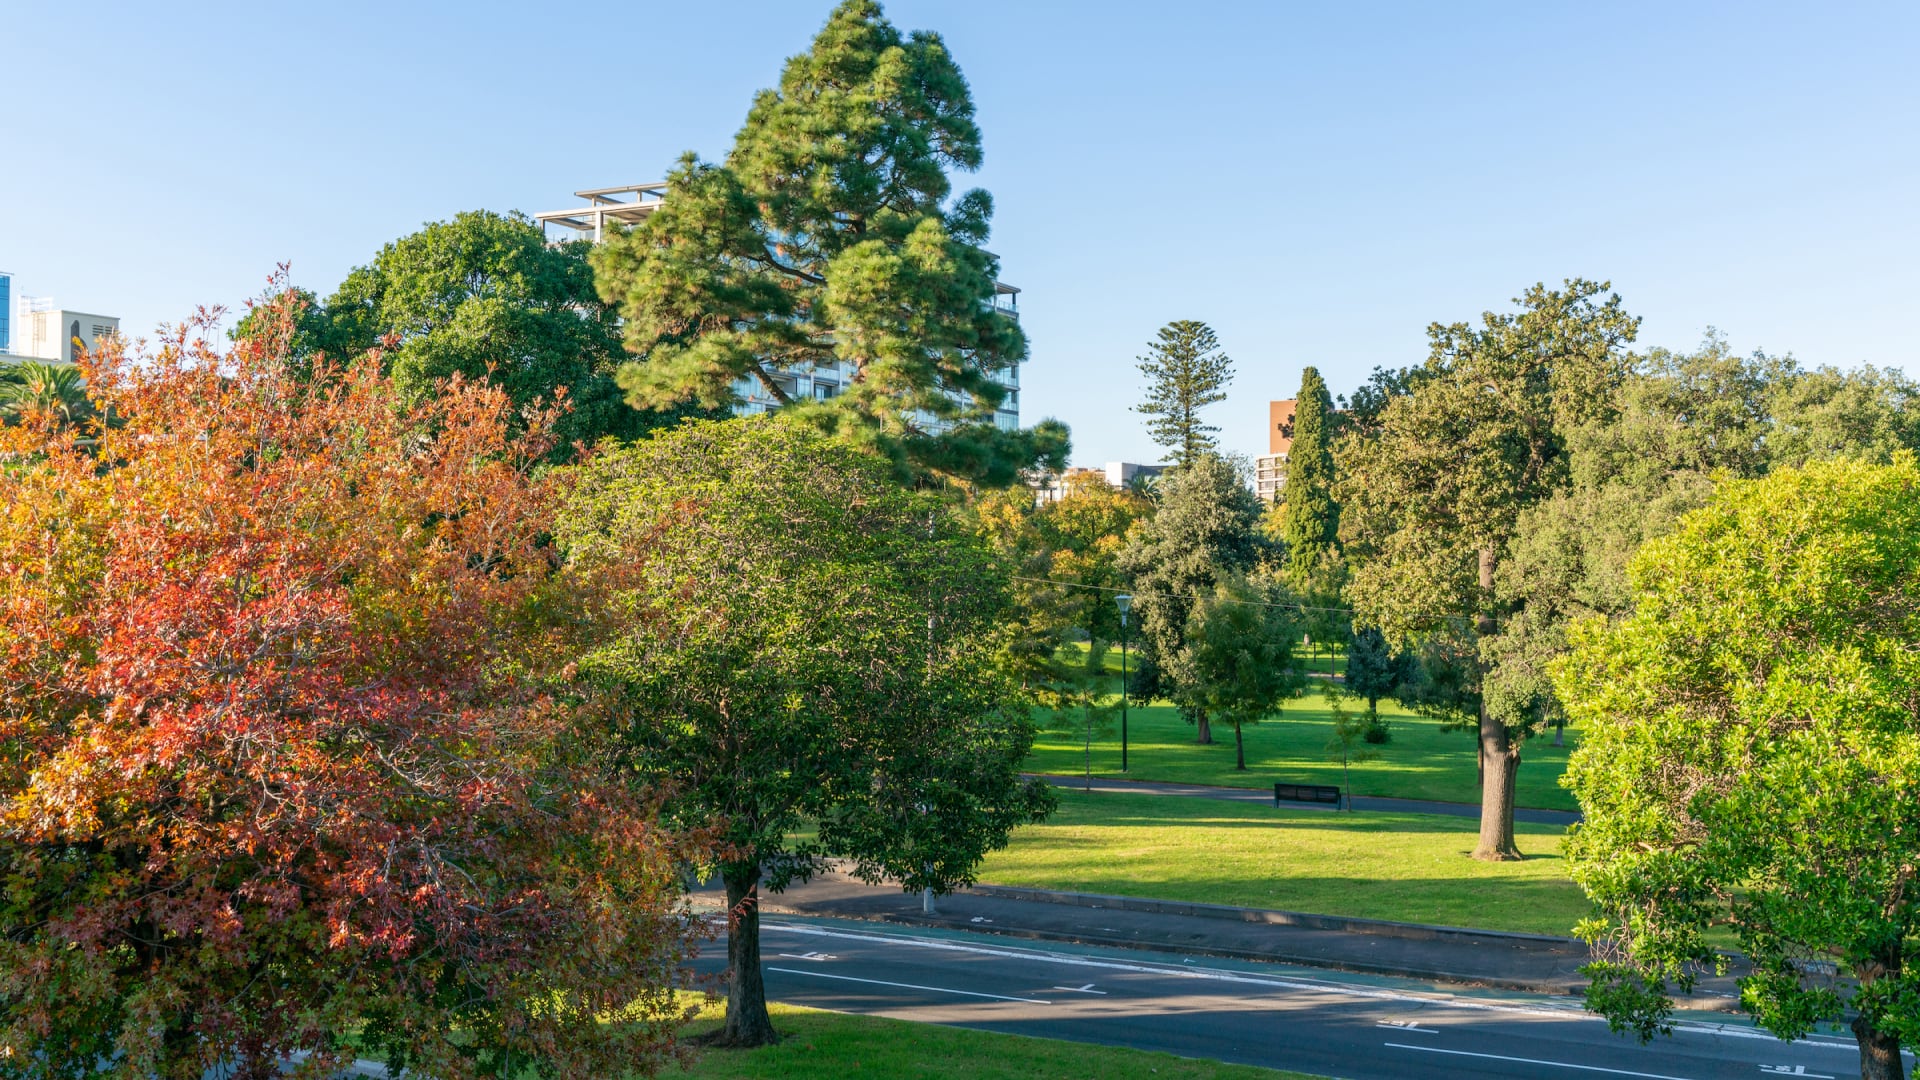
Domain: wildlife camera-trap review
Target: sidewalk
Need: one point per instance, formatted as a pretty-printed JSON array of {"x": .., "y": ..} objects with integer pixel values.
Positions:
[
  {"x": 1264, "y": 797},
  {"x": 1530, "y": 962}
]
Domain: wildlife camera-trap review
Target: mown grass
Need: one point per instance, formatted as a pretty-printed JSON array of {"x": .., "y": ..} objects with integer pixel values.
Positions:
[
  {"x": 1421, "y": 761},
  {"x": 1406, "y": 867},
  {"x": 825, "y": 1046}
]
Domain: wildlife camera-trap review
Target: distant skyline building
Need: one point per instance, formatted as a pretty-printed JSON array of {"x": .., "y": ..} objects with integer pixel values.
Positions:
[
  {"x": 634, "y": 203},
  {"x": 36, "y": 328},
  {"x": 1052, "y": 487},
  {"x": 1270, "y": 468}
]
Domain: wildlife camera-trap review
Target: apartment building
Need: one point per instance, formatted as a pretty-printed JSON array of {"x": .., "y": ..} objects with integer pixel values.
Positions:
[
  {"x": 1270, "y": 468},
  {"x": 37, "y": 328},
  {"x": 634, "y": 203}
]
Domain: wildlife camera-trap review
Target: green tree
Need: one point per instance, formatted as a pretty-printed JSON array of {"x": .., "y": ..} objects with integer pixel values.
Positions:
[
  {"x": 1309, "y": 520},
  {"x": 1432, "y": 495},
  {"x": 484, "y": 296},
  {"x": 1751, "y": 759},
  {"x": 830, "y": 237},
  {"x": 1203, "y": 531},
  {"x": 1238, "y": 664},
  {"x": 1347, "y": 742},
  {"x": 1186, "y": 371},
  {"x": 1374, "y": 669},
  {"x": 1685, "y": 421},
  {"x": 809, "y": 643}
]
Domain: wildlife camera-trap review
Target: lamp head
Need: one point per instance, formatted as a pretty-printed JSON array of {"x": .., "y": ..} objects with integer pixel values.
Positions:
[{"x": 1124, "y": 602}]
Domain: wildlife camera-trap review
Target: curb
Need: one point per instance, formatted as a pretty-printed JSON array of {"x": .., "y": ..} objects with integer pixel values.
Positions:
[
  {"x": 1564, "y": 988},
  {"x": 1342, "y": 924}
]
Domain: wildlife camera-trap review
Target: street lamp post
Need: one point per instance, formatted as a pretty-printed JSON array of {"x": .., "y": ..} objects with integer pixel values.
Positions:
[{"x": 1123, "y": 601}]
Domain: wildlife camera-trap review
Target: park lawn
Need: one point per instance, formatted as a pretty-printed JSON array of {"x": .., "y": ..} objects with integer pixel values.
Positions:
[
  {"x": 827, "y": 1045},
  {"x": 1405, "y": 867},
  {"x": 1421, "y": 762}
]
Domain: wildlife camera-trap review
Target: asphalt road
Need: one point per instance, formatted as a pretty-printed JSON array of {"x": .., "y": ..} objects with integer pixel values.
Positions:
[{"x": 1328, "y": 1023}]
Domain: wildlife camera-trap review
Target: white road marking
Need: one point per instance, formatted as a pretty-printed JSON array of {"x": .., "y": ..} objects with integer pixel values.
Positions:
[
  {"x": 809, "y": 956},
  {"x": 1087, "y": 989},
  {"x": 1407, "y": 1025},
  {"x": 1793, "y": 1070},
  {"x": 1535, "y": 1061},
  {"x": 1281, "y": 983},
  {"x": 910, "y": 986}
]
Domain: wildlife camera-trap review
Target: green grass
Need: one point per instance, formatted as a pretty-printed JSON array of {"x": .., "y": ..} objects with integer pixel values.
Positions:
[
  {"x": 1407, "y": 867},
  {"x": 825, "y": 1046},
  {"x": 1422, "y": 762}
]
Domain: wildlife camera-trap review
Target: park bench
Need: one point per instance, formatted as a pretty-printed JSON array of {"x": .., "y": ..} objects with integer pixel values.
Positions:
[{"x": 1306, "y": 793}]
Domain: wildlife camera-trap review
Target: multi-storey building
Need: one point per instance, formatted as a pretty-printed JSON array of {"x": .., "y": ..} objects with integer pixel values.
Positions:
[
  {"x": 1270, "y": 468},
  {"x": 1052, "y": 487},
  {"x": 36, "y": 328},
  {"x": 634, "y": 203}
]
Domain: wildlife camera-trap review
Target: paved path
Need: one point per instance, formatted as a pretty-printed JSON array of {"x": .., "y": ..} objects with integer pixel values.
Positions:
[
  {"x": 1322, "y": 1023},
  {"x": 1264, "y": 797}
]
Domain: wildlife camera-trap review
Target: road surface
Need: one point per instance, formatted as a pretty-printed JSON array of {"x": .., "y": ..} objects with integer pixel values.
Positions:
[{"x": 1328, "y": 1023}]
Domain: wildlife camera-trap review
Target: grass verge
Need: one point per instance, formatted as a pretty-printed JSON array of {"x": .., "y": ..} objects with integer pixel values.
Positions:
[
  {"x": 1422, "y": 762},
  {"x": 827, "y": 1046},
  {"x": 1406, "y": 867}
]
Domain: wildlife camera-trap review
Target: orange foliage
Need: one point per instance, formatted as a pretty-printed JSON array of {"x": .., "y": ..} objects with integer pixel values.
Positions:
[{"x": 289, "y": 747}]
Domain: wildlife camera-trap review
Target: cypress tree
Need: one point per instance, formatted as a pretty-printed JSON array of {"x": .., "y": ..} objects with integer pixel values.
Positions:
[
  {"x": 1186, "y": 372},
  {"x": 1309, "y": 519}
]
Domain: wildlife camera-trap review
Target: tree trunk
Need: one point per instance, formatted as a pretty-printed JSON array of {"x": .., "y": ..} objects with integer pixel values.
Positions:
[
  {"x": 1499, "y": 757},
  {"x": 1205, "y": 737},
  {"x": 747, "y": 1021},
  {"x": 1499, "y": 775},
  {"x": 1239, "y": 749},
  {"x": 1879, "y": 1051}
]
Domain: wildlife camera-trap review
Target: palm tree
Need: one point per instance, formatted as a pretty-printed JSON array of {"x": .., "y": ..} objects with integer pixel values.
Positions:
[{"x": 52, "y": 388}]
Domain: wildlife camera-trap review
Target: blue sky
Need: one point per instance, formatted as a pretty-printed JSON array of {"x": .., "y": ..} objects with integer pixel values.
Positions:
[{"x": 1319, "y": 182}]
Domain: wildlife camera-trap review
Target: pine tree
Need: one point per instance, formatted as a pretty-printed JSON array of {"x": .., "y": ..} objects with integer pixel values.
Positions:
[
  {"x": 1309, "y": 520},
  {"x": 1187, "y": 371},
  {"x": 830, "y": 235}
]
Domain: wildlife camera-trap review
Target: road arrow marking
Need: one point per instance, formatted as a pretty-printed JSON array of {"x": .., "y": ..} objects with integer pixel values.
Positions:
[
  {"x": 1407, "y": 1025},
  {"x": 1087, "y": 989},
  {"x": 808, "y": 956}
]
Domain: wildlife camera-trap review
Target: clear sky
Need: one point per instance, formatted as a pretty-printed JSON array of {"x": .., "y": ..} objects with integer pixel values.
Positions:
[{"x": 1317, "y": 181}]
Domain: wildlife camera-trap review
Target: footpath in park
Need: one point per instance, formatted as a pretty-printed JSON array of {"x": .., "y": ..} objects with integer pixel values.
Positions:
[
  {"x": 1265, "y": 797},
  {"x": 1532, "y": 962}
]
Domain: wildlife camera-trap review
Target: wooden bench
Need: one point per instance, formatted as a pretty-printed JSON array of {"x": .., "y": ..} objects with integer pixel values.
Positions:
[{"x": 1306, "y": 793}]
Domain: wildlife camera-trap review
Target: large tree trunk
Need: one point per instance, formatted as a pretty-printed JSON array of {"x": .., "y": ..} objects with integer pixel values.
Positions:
[
  {"x": 1205, "y": 738},
  {"x": 1239, "y": 749},
  {"x": 1879, "y": 1051},
  {"x": 1499, "y": 775},
  {"x": 1499, "y": 760},
  {"x": 747, "y": 1021}
]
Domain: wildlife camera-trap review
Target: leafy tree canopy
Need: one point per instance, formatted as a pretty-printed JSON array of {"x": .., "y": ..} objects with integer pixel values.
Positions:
[
  {"x": 1204, "y": 530},
  {"x": 829, "y": 660},
  {"x": 289, "y": 760},
  {"x": 1238, "y": 664},
  {"x": 1432, "y": 494},
  {"x": 831, "y": 236},
  {"x": 484, "y": 296},
  {"x": 1751, "y": 757}
]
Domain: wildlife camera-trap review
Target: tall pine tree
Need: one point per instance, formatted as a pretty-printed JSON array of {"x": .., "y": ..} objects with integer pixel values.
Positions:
[
  {"x": 831, "y": 235},
  {"x": 1186, "y": 371}
]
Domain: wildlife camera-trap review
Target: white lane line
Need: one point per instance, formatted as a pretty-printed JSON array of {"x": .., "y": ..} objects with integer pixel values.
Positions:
[
  {"x": 1323, "y": 987},
  {"x": 909, "y": 986},
  {"x": 1793, "y": 1070},
  {"x": 1535, "y": 1061}
]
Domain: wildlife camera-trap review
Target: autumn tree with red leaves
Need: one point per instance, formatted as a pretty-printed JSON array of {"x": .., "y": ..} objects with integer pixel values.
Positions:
[{"x": 290, "y": 754}]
